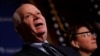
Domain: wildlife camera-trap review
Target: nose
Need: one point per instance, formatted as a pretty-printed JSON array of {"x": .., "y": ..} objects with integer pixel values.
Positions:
[
  {"x": 36, "y": 17},
  {"x": 94, "y": 36}
]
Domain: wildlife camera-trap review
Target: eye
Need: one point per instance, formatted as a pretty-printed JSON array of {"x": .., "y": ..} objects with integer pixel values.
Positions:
[
  {"x": 27, "y": 16},
  {"x": 88, "y": 34}
]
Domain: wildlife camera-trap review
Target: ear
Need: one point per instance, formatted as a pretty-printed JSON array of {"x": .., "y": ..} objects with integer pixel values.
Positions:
[{"x": 75, "y": 44}]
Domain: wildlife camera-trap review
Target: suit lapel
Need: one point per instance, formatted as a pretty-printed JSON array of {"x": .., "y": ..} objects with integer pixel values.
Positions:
[{"x": 32, "y": 51}]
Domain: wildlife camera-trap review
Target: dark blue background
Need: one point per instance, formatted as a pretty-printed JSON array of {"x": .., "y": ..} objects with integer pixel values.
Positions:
[{"x": 10, "y": 41}]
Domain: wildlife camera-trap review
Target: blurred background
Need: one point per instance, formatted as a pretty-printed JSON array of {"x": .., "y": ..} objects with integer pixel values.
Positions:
[{"x": 59, "y": 14}]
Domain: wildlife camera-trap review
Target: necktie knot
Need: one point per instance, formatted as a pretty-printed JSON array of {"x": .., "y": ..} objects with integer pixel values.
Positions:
[
  {"x": 46, "y": 45},
  {"x": 51, "y": 50}
]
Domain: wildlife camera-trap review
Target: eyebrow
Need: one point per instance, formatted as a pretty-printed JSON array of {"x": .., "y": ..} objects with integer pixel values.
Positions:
[{"x": 29, "y": 13}]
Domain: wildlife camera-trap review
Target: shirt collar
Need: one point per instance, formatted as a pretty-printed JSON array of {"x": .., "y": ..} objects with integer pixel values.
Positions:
[{"x": 38, "y": 44}]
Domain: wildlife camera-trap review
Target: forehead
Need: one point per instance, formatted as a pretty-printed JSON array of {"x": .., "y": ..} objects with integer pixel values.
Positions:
[
  {"x": 82, "y": 29},
  {"x": 27, "y": 8}
]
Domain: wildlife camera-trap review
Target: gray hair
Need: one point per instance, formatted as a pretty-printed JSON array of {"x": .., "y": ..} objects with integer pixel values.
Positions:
[{"x": 16, "y": 18}]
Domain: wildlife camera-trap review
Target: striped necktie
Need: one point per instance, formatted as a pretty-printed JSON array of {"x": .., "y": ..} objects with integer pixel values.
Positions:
[{"x": 51, "y": 50}]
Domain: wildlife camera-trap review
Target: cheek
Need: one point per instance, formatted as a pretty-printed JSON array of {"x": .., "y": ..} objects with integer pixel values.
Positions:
[
  {"x": 28, "y": 20},
  {"x": 87, "y": 45},
  {"x": 29, "y": 23},
  {"x": 43, "y": 19},
  {"x": 84, "y": 43}
]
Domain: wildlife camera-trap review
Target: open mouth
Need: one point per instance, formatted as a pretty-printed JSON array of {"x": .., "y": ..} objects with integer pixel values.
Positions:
[{"x": 38, "y": 24}]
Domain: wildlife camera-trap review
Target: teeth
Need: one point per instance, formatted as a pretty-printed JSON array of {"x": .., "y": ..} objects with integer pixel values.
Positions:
[{"x": 39, "y": 25}]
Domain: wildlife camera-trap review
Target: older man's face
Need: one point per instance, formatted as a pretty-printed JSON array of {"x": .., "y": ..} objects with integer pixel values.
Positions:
[{"x": 33, "y": 19}]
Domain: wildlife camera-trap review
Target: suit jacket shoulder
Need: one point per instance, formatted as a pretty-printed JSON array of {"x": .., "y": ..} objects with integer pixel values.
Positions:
[{"x": 30, "y": 51}]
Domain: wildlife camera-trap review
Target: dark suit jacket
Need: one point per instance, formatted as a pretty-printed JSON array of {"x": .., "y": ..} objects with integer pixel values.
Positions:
[{"x": 32, "y": 51}]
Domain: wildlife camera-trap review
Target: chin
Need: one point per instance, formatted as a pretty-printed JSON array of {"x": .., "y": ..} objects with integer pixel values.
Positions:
[
  {"x": 93, "y": 49},
  {"x": 42, "y": 39}
]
